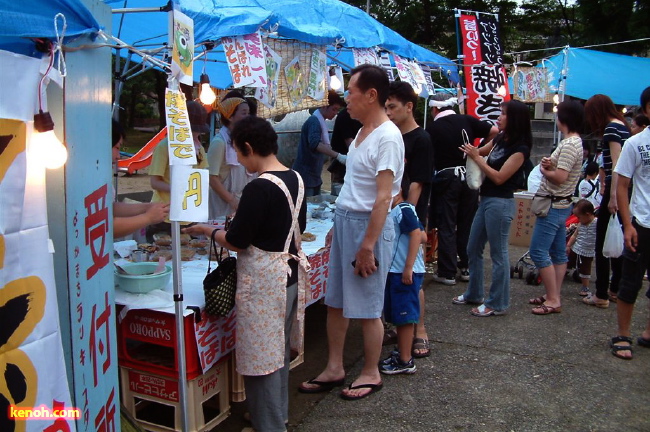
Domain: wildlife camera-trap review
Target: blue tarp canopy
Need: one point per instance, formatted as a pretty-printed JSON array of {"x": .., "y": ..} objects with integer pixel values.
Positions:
[
  {"x": 322, "y": 22},
  {"x": 620, "y": 77},
  {"x": 20, "y": 21}
]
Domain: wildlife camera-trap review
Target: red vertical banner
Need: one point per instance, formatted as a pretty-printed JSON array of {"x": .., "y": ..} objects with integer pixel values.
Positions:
[{"x": 486, "y": 79}]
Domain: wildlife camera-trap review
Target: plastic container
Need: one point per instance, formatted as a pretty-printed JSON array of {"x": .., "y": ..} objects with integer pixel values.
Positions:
[{"x": 138, "y": 281}]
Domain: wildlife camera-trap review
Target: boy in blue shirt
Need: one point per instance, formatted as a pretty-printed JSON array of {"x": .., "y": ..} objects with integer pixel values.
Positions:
[{"x": 401, "y": 300}]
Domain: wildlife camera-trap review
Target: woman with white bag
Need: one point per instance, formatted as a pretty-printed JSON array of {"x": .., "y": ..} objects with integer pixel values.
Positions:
[
  {"x": 604, "y": 119},
  {"x": 503, "y": 170},
  {"x": 561, "y": 173}
]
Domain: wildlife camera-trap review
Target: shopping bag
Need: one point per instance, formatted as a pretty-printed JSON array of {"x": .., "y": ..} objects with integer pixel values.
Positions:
[
  {"x": 614, "y": 240},
  {"x": 220, "y": 284},
  {"x": 474, "y": 175}
]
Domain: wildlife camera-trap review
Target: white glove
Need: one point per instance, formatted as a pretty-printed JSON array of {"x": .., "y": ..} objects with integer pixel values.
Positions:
[{"x": 341, "y": 158}]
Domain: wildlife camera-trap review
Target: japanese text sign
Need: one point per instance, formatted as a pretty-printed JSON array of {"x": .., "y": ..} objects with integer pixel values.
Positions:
[
  {"x": 531, "y": 85},
  {"x": 384, "y": 62},
  {"x": 189, "y": 194},
  {"x": 246, "y": 61},
  {"x": 182, "y": 42},
  {"x": 179, "y": 132},
  {"x": 317, "y": 84},
  {"x": 365, "y": 56},
  {"x": 487, "y": 83},
  {"x": 268, "y": 95}
]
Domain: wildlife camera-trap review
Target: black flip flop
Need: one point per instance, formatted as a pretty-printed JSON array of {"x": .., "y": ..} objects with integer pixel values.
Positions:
[
  {"x": 374, "y": 388},
  {"x": 323, "y": 386}
]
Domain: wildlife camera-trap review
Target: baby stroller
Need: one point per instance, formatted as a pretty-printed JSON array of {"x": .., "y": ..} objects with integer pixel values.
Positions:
[{"x": 525, "y": 263}]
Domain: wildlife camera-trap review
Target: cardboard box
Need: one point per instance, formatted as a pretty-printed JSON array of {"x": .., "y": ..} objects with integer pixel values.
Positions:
[{"x": 521, "y": 229}]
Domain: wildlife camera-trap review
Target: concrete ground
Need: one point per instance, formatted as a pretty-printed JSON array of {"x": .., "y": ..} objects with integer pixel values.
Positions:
[{"x": 517, "y": 372}]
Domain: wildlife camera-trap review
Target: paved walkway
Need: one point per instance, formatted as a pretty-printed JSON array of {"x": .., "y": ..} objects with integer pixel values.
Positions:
[{"x": 517, "y": 372}]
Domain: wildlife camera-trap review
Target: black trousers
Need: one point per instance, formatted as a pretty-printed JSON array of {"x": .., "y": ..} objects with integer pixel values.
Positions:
[
  {"x": 603, "y": 264},
  {"x": 454, "y": 205}
]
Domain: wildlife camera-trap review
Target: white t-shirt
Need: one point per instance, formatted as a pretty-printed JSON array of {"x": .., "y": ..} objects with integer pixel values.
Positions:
[
  {"x": 634, "y": 162},
  {"x": 590, "y": 190},
  {"x": 382, "y": 150}
]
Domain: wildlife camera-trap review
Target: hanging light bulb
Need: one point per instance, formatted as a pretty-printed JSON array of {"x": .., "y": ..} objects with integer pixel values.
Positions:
[
  {"x": 207, "y": 96},
  {"x": 335, "y": 82},
  {"x": 502, "y": 91},
  {"x": 45, "y": 145},
  {"x": 556, "y": 98}
]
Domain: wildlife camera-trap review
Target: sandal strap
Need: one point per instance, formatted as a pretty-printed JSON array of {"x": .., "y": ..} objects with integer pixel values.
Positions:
[{"x": 617, "y": 339}]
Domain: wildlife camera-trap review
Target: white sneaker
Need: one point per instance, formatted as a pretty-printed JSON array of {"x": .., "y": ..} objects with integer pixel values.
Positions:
[
  {"x": 443, "y": 280},
  {"x": 464, "y": 275}
]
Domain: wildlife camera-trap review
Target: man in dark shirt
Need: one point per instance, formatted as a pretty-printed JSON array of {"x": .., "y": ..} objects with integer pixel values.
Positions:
[
  {"x": 345, "y": 129},
  {"x": 418, "y": 169},
  {"x": 453, "y": 203}
]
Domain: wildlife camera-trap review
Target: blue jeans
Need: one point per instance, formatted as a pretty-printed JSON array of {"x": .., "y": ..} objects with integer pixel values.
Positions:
[
  {"x": 548, "y": 244},
  {"x": 491, "y": 223}
]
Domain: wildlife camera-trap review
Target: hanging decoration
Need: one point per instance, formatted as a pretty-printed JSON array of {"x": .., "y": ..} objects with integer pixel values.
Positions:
[
  {"x": 317, "y": 84},
  {"x": 531, "y": 85},
  {"x": 182, "y": 41},
  {"x": 365, "y": 56},
  {"x": 268, "y": 94}
]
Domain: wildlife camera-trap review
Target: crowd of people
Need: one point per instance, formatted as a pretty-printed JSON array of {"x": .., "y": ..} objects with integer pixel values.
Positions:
[{"x": 395, "y": 181}]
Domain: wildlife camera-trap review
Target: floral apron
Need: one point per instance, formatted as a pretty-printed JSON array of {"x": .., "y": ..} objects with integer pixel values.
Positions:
[{"x": 261, "y": 298}]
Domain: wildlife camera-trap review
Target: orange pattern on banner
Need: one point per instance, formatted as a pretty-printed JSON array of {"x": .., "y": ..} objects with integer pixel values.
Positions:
[
  {"x": 12, "y": 143},
  {"x": 22, "y": 306}
]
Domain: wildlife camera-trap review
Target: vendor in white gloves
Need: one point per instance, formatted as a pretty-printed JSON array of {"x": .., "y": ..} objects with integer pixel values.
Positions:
[{"x": 315, "y": 145}]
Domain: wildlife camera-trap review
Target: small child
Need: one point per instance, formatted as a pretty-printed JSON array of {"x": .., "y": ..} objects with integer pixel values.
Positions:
[
  {"x": 589, "y": 188},
  {"x": 406, "y": 273},
  {"x": 582, "y": 244}
]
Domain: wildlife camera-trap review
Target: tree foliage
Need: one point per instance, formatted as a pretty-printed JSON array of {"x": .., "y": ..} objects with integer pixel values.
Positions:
[{"x": 525, "y": 24}]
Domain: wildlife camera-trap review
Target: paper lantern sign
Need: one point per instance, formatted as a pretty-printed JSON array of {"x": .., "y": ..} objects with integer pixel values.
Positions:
[
  {"x": 531, "y": 85},
  {"x": 189, "y": 194},
  {"x": 179, "y": 132}
]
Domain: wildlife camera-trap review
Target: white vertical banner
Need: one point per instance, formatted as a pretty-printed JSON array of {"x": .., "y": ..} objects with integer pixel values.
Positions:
[
  {"x": 179, "y": 133},
  {"x": 317, "y": 83},
  {"x": 268, "y": 95},
  {"x": 189, "y": 194},
  {"x": 234, "y": 48},
  {"x": 365, "y": 56},
  {"x": 256, "y": 60},
  {"x": 404, "y": 70},
  {"x": 181, "y": 38}
]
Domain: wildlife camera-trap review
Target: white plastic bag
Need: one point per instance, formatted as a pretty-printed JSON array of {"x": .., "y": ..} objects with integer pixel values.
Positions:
[
  {"x": 614, "y": 240},
  {"x": 474, "y": 175}
]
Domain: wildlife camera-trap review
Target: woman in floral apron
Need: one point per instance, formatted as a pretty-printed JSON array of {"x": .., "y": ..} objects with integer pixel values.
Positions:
[{"x": 271, "y": 272}]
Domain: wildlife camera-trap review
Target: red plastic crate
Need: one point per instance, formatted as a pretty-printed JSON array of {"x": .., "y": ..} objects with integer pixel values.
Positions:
[
  {"x": 147, "y": 341},
  {"x": 153, "y": 400}
]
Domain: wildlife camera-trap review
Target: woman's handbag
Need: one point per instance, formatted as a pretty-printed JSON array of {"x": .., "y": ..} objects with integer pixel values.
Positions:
[
  {"x": 220, "y": 285},
  {"x": 614, "y": 239},
  {"x": 474, "y": 175},
  {"x": 541, "y": 205}
]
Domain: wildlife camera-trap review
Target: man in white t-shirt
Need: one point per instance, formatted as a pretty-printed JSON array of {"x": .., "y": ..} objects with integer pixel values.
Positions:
[
  {"x": 633, "y": 163},
  {"x": 361, "y": 243}
]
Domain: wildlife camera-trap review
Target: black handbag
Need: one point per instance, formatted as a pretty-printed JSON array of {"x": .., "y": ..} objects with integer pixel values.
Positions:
[{"x": 220, "y": 285}]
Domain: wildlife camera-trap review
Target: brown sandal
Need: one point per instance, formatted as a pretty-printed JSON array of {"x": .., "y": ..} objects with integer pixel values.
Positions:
[
  {"x": 537, "y": 300},
  {"x": 545, "y": 310}
]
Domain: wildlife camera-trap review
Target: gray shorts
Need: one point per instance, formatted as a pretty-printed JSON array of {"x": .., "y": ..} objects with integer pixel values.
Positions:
[{"x": 358, "y": 297}]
